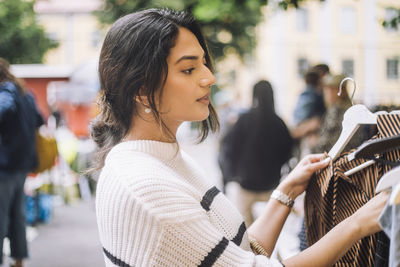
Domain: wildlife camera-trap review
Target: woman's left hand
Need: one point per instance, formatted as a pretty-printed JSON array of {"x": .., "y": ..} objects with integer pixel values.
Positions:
[{"x": 297, "y": 180}]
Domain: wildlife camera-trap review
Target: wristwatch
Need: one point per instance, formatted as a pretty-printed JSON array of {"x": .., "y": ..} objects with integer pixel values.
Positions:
[{"x": 282, "y": 198}]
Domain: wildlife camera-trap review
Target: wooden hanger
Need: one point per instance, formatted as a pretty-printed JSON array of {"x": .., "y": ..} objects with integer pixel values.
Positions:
[
  {"x": 355, "y": 116},
  {"x": 377, "y": 146},
  {"x": 369, "y": 149},
  {"x": 352, "y": 119}
]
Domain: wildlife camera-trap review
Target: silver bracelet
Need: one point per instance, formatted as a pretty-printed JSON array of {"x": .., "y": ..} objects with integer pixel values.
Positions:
[{"x": 282, "y": 198}]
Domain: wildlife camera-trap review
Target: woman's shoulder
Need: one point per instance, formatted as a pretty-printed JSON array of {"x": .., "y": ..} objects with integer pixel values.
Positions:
[
  {"x": 124, "y": 152},
  {"x": 150, "y": 186},
  {"x": 132, "y": 165}
]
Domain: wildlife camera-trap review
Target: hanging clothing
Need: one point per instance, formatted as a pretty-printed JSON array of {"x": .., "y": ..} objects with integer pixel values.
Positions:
[{"x": 331, "y": 196}]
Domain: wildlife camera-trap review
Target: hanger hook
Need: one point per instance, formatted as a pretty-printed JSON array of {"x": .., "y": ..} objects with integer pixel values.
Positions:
[{"x": 341, "y": 84}]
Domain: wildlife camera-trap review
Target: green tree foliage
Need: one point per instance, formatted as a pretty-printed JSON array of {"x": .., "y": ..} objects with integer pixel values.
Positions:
[
  {"x": 22, "y": 39},
  {"x": 229, "y": 25}
]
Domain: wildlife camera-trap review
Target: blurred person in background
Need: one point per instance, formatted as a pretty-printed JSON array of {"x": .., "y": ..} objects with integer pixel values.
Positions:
[
  {"x": 310, "y": 103},
  {"x": 331, "y": 124},
  {"x": 307, "y": 115},
  {"x": 322, "y": 70},
  {"x": 309, "y": 109},
  {"x": 255, "y": 149},
  {"x": 19, "y": 121}
]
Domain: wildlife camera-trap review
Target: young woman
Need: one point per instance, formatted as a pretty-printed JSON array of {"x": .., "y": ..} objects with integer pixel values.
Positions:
[{"x": 154, "y": 205}]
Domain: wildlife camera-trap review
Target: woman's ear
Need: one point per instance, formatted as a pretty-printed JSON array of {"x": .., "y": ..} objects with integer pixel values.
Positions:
[{"x": 141, "y": 99}]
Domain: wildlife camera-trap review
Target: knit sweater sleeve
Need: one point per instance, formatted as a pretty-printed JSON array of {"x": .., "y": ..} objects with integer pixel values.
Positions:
[
  {"x": 156, "y": 221},
  {"x": 199, "y": 243}
]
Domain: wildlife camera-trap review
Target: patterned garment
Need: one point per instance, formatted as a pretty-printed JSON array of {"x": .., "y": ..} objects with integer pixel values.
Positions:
[{"x": 332, "y": 196}]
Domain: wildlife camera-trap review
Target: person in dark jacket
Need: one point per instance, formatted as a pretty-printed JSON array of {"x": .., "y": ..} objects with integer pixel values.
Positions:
[
  {"x": 310, "y": 102},
  {"x": 309, "y": 109},
  {"x": 255, "y": 149},
  {"x": 19, "y": 120}
]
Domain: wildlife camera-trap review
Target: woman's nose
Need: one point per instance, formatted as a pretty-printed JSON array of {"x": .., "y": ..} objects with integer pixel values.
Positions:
[{"x": 208, "y": 80}]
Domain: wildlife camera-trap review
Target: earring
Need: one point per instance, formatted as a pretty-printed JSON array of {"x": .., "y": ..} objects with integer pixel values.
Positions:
[{"x": 147, "y": 110}]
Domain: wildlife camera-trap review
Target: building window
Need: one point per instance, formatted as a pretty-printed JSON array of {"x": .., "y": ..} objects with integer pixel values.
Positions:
[
  {"x": 348, "y": 67},
  {"x": 347, "y": 20},
  {"x": 301, "y": 20},
  {"x": 392, "y": 69},
  {"x": 391, "y": 15},
  {"x": 302, "y": 66}
]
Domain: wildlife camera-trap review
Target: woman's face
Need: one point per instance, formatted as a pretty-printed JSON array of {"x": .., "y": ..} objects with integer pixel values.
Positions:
[{"x": 186, "y": 93}]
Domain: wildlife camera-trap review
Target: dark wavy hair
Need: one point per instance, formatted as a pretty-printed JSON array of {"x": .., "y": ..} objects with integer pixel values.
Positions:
[{"x": 133, "y": 62}]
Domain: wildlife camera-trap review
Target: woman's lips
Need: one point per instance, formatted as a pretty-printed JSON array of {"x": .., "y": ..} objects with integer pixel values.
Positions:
[{"x": 205, "y": 99}]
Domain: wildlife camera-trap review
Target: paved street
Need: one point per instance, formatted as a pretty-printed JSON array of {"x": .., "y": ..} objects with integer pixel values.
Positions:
[{"x": 69, "y": 240}]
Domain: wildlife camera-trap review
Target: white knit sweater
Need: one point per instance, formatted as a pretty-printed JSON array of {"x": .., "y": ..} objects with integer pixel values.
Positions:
[{"x": 154, "y": 208}]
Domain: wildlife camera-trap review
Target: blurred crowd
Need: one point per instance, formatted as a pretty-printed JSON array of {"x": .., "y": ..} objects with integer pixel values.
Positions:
[
  {"x": 40, "y": 161},
  {"x": 256, "y": 141}
]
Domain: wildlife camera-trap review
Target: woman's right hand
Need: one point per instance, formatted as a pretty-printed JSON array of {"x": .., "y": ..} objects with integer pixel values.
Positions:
[
  {"x": 366, "y": 218},
  {"x": 297, "y": 180}
]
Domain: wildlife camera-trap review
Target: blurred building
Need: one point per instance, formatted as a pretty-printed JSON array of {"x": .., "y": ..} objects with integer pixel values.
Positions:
[
  {"x": 346, "y": 35},
  {"x": 68, "y": 81},
  {"x": 37, "y": 77},
  {"x": 64, "y": 88},
  {"x": 73, "y": 25}
]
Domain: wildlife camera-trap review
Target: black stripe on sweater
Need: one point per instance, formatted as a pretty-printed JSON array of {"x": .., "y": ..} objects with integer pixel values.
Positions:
[
  {"x": 214, "y": 254},
  {"x": 209, "y": 197},
  {"x": 115, "y": 260},
  {"x": 239, "y": 236}
]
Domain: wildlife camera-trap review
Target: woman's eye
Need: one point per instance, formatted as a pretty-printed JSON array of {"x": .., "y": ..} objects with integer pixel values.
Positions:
[{"x": 188, "y": 71}]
